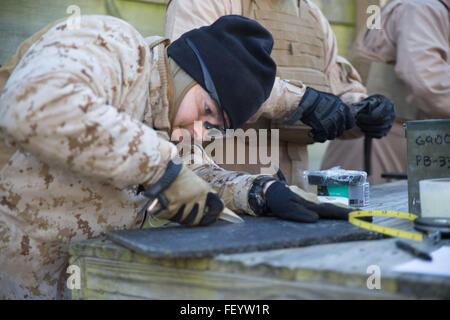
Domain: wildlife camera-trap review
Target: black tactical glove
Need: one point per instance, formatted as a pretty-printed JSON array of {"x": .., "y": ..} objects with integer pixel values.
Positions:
[
  {"x": 184, "y": 197},
  {"x": 325, "y": 113},
  {"x": 284, "y": 203},
  {"x": 374, "y": 115}
]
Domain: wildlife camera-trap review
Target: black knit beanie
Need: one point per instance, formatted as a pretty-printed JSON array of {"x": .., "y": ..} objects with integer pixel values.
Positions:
[{"x": 236, "y": 51}]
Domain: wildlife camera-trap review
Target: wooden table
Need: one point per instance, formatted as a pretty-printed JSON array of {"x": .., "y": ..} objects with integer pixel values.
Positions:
[{"x": 330, "y": 271}]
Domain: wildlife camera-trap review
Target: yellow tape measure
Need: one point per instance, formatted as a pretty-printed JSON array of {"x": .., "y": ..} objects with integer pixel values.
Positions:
[{"x": 354, "y": 215}]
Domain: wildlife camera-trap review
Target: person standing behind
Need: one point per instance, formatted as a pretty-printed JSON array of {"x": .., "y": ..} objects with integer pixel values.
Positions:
[
  {"x": 305, "y": 51},
  {"x": 410, "y": 64}
]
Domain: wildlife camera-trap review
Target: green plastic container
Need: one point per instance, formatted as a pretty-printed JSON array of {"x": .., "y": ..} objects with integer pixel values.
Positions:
[{"x": 428, "y": 155}]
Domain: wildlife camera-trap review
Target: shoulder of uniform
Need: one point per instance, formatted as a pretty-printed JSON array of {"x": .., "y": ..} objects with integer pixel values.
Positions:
[
  {"x": 434, "y": 5},
  {"x": 99, "y": 19}
]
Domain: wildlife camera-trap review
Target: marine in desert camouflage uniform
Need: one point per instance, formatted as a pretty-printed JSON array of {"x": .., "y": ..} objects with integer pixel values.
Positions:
[{"x": 85, "y": 116}]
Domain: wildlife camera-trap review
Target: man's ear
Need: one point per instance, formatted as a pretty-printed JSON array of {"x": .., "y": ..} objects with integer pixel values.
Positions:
[{"x": 227, "y": 118}]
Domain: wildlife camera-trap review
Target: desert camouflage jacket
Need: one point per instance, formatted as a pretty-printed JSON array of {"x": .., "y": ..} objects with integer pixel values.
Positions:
[{"x": 83, "y": 120}]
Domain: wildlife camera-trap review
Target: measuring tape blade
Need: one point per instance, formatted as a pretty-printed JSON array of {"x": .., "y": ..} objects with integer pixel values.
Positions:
[{"x": 354, "y": 215}]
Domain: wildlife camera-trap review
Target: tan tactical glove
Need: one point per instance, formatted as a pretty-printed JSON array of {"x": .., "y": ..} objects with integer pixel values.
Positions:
[{"x": 185, "y": 198}]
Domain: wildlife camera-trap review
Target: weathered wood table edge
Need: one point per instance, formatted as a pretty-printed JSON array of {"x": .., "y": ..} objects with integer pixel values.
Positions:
[{"x": 328, "y": 271}]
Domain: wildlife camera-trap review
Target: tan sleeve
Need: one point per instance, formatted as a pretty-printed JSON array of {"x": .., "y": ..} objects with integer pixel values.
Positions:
[
  {"x": 377, "y": 44},
  {"x": 345, "y": 81},
  {"x": 422, "y": 39},
  {"x": 283, "y": 100},
  {"x": 232, "y": 186},
  {"x": 185, "y": 15},
  {"x": 63, "y": 104}
]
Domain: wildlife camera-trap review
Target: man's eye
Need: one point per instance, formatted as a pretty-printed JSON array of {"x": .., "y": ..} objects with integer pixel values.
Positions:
[
  {"x": 207, "y": 109},
  {"x": 209, "y": 126}
]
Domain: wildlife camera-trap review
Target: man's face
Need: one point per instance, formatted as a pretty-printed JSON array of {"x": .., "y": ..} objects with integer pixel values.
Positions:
[{"x": 197, "y": 105}]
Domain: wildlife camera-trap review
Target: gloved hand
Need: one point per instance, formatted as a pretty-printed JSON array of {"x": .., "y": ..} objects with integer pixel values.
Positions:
[
  {"x": 325, "y": 113},
  {"x": 327, "y": 210},
  {"x": 185, "y": 197},
  {"x": 374, "y": 115},
  {"x": 292, "y": 203}
]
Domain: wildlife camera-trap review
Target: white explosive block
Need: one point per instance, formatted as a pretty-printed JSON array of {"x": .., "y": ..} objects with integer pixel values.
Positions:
[{"x": 435, "y": 198}]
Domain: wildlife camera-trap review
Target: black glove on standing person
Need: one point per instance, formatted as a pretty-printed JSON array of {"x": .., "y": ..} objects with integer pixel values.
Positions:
[
  {"x": 374, "y": 115},
  {"x": 328, "y": 116}
]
